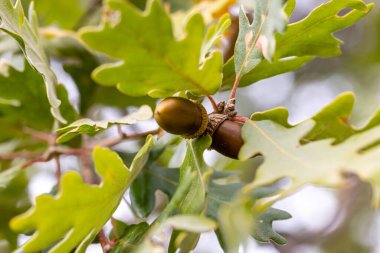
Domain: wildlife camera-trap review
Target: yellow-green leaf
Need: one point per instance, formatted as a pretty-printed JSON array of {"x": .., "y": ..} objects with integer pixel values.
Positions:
[
  {"x": 74, "y": 217},
  {"x": 151, "y": 60},
  {"x": 91, "y": 127}
]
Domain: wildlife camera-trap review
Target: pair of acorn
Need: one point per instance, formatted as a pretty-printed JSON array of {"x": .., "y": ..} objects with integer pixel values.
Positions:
[{"x": 180, "y": 116}]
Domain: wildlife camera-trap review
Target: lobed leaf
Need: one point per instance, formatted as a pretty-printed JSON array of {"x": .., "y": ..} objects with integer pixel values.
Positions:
[
  {"x": 257, "y": 40},
  {"x": 150, "y": 59},
  {"x": 214, "y": 34},
  {"x": 74, "y": 217},
  {"x": 14, "y": 201},
  {"x": 304, "y": 40},
  {"x": 131, "y": 236},
  {"x": 88, "y": 126},
  {"x": 317, "y": 162},
  {"x": 24, "y": 31},
  {"x": 314, "y": 34},
  {"x": 67, "y": 14},
  {"x": 79, "y": 62},
  {"x": 25, "y": 103}
]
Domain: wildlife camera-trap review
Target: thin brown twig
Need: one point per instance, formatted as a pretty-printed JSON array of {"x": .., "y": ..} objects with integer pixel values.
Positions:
[
  {"x": 20, "y": 154},
  {"x": 104, "y": 241},
  {"x": 49, "y": 138},
  {"x": 36, "y": 160},
  {"x": 119, "y": 139},
  {"x": 57, "y": 169}
]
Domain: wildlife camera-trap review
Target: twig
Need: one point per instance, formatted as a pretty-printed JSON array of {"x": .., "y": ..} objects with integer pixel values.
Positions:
[
  {"x": 57, "y": 169},
  {"x": 86, "y": 168},
  {"x": 119, "y": 139},
  {"x": 20, "y": 154},
  {"x": 104, "y": 241},
  {"x": 49, "y": 138},
  {"x": 30, "y": 162}
]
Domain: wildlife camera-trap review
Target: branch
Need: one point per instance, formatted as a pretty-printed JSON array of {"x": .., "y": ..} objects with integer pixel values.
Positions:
[
  {"x": 104, "y": 241},
  {"x": 114, "y": 141},
  {"x": 46, "y": 137},
  {"x": 20, "y": 154}
]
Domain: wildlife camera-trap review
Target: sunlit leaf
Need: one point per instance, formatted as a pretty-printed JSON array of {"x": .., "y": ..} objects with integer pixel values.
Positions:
[
  {"x": 306, "y": 38},
  {"x": 196, "y": 197},
  {"x": 257, "y": 40},
  {"x": 130, "y": 237},
  {"x": 14, "y": 200},
  {"x": 79, "y": 62},
  {"x": 214, "y": 34},
  {"x": 317, "y": 162},
  {"x": 303, "y": 40},
  {"x": 27, "y": 104},
  {"x": 24, "y": 31},
  {"x": 191, "y": 223},
  {"x": 151, "y": 60},
  {"x": 91, "y": 127},
  {"x": 67, "y": 14},
  {"x": 74, "y": 217}
]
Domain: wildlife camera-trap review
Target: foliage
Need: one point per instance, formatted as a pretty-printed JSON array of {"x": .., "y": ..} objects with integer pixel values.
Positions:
[
  {"x": 169, "y": 72},
  {"x": 303, "y": 40},
  {"x": 118, "y": 57},
  {"x": 79, "y": 208}
]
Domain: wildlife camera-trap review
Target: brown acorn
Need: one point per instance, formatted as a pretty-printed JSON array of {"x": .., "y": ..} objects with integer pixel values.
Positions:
[
  {"x": 181, "y": 116},
  {"x": 227, "y": 139}
]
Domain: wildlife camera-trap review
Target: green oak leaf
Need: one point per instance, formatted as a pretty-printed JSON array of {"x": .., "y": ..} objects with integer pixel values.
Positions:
[
  {"x": 131, "y": 236},
  {"x": 14, "y": 200},
  {"x": 221, "y": 195},
  {"x": 150, "y": 244},
  {"x": 263, "y": 70},
  {"x": 191, "y": 223},
  {"x": 317, "y": 162},
  {"x": 79, "y": 210},
  {"x": 214, "y": 34},
  {"x": 314, "y": 34},
  {"x": 195, "y": 200},
  {"x": 79, "y": 63},
  {"x": 263, "y": 230},
  {"x": 196, "y": 197},
  {"x": 6, "y": 176},
  {"x": 304, "y": 40},
  {"x": 14, "y": 22},
  {"x": 333, "y": 121},
  {"x": 67, "y": 14},
  {"x": 151, "y": 60},
  {"x": 27, "y": 104},
  {"x": 151, "y": 179},
  {"x": 91, "y": 127},
  {"x": 257, "y": 40}
]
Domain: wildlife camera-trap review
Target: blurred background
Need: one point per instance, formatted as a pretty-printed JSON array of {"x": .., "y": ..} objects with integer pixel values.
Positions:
[{"x": 324, "y": 220}]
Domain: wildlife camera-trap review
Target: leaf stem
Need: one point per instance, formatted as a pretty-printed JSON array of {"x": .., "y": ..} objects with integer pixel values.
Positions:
[{"x": 234, "y": 88}]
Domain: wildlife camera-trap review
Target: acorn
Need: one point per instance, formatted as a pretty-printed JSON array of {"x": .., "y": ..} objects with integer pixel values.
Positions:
[
  {"x": 183, "y": 117},
  {"x": 180, "y": 116}
]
